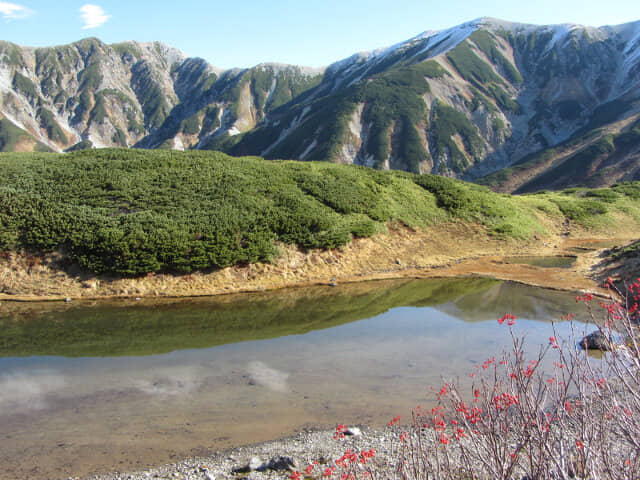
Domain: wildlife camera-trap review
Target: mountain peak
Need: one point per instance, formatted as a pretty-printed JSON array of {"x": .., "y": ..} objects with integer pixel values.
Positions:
[
  {"x": 281, "y": 67},
  {"x": 463, "y": 101}
]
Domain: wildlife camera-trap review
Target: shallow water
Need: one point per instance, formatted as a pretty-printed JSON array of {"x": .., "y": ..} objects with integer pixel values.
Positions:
[
  {"x": 125, "y": 385},
  {"x": 544, "y": 261}
]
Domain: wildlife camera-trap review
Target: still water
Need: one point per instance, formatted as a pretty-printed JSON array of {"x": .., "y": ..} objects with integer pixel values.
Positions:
[
  {"x": 544, "y": 262},
  {"x": 124, "y": 385}
]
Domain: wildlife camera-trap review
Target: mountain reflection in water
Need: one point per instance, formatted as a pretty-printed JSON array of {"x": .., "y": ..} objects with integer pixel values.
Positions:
[{"x": 138, "y": 382}]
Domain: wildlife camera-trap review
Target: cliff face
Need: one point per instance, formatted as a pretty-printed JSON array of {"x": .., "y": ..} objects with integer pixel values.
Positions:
[
  {"x": 130, "y": 94},
  {"x": 553, "y": 105},
  {"x": 473, "y": 100}
]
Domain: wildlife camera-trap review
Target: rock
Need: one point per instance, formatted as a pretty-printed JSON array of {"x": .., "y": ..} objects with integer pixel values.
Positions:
[
  {"x": 353, "y": 431},
  {"x": 281, "y": 463},
  {"x": 254, "y": 464},
  {"x": 595, "y": 341}
]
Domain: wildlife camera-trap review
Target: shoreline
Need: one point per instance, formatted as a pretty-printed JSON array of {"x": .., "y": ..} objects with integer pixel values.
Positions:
[
  {"x": 421, "y": 254},
  {"x": 311, "y": 444},
  {"x": 302, "y": 449}
]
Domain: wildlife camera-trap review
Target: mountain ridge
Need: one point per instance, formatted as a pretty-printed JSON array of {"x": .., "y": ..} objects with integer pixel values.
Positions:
[{"x": 465, "y": 102}]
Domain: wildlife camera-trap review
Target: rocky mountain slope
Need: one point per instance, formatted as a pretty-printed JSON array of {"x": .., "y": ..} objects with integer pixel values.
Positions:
[
  {"x": 531, "y": 106},
  {"x": 131, "y": 94}
]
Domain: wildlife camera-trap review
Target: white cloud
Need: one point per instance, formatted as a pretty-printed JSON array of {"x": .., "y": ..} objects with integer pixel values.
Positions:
[
  {"x": 268, "y": 377},
  {"x": 12, "y": 11},
  {"x": 29, "y": 391},
  {"x": 93, "y": 16}
]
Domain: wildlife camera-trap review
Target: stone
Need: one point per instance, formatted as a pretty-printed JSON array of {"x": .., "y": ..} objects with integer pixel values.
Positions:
[
  {"x": 254, "y": 464},
  {"x": 281, "y": 463},
  {"x": 596, "y": 341},
  {"x": 353, "y": 432}
]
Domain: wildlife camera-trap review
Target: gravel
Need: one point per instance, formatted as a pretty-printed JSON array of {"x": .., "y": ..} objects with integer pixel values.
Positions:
[{"x": 255, "y": 462}]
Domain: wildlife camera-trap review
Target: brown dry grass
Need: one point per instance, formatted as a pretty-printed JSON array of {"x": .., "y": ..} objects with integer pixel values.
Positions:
[{"x": 454, "y": 249}]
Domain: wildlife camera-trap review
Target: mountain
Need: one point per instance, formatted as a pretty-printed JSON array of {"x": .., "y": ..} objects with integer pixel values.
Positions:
[
  {"x": 131, "y": 94},
  {"x": 515, "y": 106}
]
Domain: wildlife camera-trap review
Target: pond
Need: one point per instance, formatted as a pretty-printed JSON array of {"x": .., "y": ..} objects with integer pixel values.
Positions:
[
  {"x": 543, "y": 261},
  {"x": 124, "y": 385}
]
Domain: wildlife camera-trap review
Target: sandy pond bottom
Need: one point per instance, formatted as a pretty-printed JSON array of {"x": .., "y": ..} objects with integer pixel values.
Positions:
[{"x": 93, "y": 388}]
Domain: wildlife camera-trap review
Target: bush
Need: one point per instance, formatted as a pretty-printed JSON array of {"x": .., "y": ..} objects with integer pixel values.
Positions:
[
  {"x": 131, "y": 212},
  {"x": 577, "y": 419}
]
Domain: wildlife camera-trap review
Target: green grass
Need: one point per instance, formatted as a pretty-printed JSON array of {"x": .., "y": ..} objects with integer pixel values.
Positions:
[{"x": 132, "y": 212}]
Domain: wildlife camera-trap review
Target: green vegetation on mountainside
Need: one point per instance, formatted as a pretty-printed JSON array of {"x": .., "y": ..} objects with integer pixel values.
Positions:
[
  {"x": 445, "y": 123},
  {"x": 487, "y": 44},
  {"x": 392, "y": 98},
  {"x": 480, "y": 74},
  {"x": 591, "y": 165},
  {"x": 133, "y": 212},
  {"x": 12, "y": 136},
  {"x": 396, "y": 96},
  {"x": 25, "y": 86}
]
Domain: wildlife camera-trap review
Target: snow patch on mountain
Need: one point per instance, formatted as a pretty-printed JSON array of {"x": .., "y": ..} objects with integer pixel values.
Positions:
[
  {"x": 441, "y": 41},
  {"x": 276, "y": 68},
  {"x": 632, "y": 50},
  {"x": 308, "y": 150}
]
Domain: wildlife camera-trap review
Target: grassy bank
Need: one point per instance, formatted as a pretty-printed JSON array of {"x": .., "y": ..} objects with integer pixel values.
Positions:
[{"x": 131, "y": 212}]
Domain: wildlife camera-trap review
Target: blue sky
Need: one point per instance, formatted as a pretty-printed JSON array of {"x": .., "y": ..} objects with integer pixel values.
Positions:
[{"x": 306, "y": 32}]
